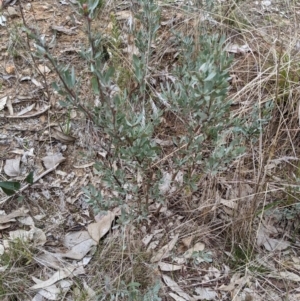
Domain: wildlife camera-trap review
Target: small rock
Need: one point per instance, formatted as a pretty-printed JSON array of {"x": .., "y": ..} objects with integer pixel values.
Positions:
[
  {"x": 266, "y": 3},
  {"x": 28, "y": 6},
  {"x": 12, "y": 12},
  {"x": 10, "y": 69}
]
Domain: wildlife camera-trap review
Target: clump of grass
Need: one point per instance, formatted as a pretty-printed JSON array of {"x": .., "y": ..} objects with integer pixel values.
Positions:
[
  {"x": 17, "y": 262},
  {"x": 125, "y": 273}
]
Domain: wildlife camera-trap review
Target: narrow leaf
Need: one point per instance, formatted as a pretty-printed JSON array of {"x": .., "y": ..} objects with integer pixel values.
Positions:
[{"x": 29, "y": 178}]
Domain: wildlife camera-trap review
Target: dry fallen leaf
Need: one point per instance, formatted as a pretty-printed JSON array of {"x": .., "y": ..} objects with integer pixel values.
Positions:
[
  {"x": 74, "y": 238},
  {"x": 1, "y": 249},
  {"x": 198, "y": 247},
  {"x": 165, "y": 250},
  {"x": 50, "y": 260},
  {"x": 79, "y": 243},
  {"x": 99, "y": 229},
  {"x": 43, "y": 69},
  {"x": 39, "y": 237},
  {"x": 124, "y": 15},
  {"x": 61, "y": 274},
  {"x": 271, "y": 244},
  {"x": 39, "y": 110},
  {"x": 234, "y": 48},
  {"x": 285, "y": 275},
  {"x": 28, "y": 221},
  {"x": 164, "y": 186},
  {"x": 3, "y": 101},
  {"x": 187, "y": 241},
  {"x": 175, "y": 287},
  {"x": 10, "y": 69},
  {"x": 91, "y": 293},
  {"x": 236, "y": 279},
  {"x": 64, "y": 30},
  {"x": 51, "y": 160},
  {"x": 26, "y": 110},
  {"x": 12, "y": 167},
  {"x": 146, "y": 240},
  {"x": 60, "y": 136},
  {"x": 205, "y": 293},
  {"x": 21, "y": 234},
  {"x": 11, "y": 217},
  {"x": 176, "y": 297},
  {"x": 12, "y": 12},
  {"x": 167, "y": 267},
  {"x": 51, "y": 292}
]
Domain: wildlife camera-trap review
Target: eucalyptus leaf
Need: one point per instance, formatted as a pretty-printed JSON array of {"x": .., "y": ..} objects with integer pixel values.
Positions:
[{"x": 10, "y": 187}]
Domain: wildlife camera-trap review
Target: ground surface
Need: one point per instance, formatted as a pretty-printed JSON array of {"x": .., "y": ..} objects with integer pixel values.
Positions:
[{"x": 235, "y": 259}]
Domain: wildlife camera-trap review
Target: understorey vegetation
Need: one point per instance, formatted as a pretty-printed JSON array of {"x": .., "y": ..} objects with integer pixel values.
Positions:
[{"x": 190, "y": 121}]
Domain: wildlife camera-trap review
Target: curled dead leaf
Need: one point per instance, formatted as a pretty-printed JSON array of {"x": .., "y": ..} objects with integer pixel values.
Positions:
[
  {"x": 59, "y": 135},
  {"x": 99, "y": 229}
]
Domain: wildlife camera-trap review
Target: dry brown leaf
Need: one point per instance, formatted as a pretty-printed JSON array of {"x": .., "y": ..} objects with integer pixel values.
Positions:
[
  {"x": 91, "y": 293},
  {"x": 39, "y": 237},
  {"x": 198, "y": 247},
  {"x": 165, "y": 250},
  {"x": 12, "y": 167},
  {"x": 64, "y": 30},
  {"x": 176, "y": 297},
  {"x": 167, "y": 267},
  {"x": 28, "y": 221},
  {"x": 21, "y": 234},
  {"x": 84, "y": 165},
  {"x": 74, "y": 238},
  {"x": 59, "y": 135},
  {"x": 236, "y": 279},
  {"x": 146, "y": 240},
  {"x": 187, "y": 241},
  {"x": 2, "y": 227},
  {"x": 79, "y": 243},
  {"x": 43, "y": 69},
  {"x": 80, "y": 250},
  {"x": 51, "y": 160},
  {"x": 99, "y": 229},
  {"x": 51, "y": 292},
  {"x": 3, "y": 101},
  {"x": 285, "y": 275},
  {"x": 205, "y": 293},
  {"x": 175, "y": 287},
  {"x": 10, "y": 69},
  {"x": 61, "y": 274},
  {"x": 234, "y": 48},
  {"x": 26, "y": 110},
  {"x": 35, "y": 114},
  {"x": 273, "y": 244},
  {"x": 124, "y": 15},
  {"x": 11, "y": 217},
  {"x": 36, "y": 83},
  {"x": 50, "y": 260}
]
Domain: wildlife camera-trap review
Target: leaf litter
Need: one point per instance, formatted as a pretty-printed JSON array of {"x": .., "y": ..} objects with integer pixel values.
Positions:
[{"x": 79, "y": 246}]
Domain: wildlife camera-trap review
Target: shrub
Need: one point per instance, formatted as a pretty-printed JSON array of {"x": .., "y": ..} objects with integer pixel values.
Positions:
[{"x": 195, "y": 93}]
